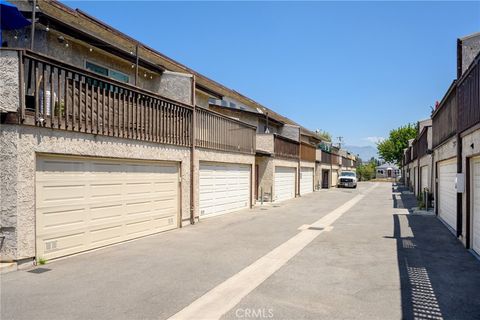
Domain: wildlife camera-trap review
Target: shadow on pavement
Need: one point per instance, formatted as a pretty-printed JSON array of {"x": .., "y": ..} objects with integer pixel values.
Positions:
[{"x": 439, "y": 278}]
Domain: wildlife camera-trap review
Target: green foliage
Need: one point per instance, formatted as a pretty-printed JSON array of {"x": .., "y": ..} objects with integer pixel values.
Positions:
[
  {"x": 391, "y": 149},
  {"x": 41, "y": 261},
  {"x": 366, "y": 171},
  {"x": 324, "y": 135}
]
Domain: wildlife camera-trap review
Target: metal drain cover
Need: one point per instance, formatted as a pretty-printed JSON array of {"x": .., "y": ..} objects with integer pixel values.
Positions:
[
  {"x": 39, "y": 270},
  {"x": 315, "y": 228}
]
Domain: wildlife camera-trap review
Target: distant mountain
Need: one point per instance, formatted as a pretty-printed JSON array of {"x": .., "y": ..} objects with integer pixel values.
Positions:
[{"x": 365, "y": 152}]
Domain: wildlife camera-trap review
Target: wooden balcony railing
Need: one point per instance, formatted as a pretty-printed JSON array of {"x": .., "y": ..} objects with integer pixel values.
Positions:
[
  {"x": 57, "y": 95},
  {"x": 216, "y": 131},
  {"x": 307, "y": 152},
  {"x": 326, "y": 157},
  {"x": 468, "y": 97},
  {"x": 422, "y": 143},
  {"x": 414, "y": 149},
  {"x": 65, "y": 97},
  {"x": 286, "y": 148},
  {"x": 346, "y": 162},
  {"x": 444, "y": 119},
  {"x": 335, "y": 159}
]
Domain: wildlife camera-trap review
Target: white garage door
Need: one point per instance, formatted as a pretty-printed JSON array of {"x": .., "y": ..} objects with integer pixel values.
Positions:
[
  {"x": 447, "y": 196},
  {"x": 476, "y": 205},
  {"x": 424, "y": 179},
  {"x": 306, "y": 180},
  {"x": 284, "y": 183},
  {"x": 415, "y": 180},
  {"x": 86, "y": 203},
  {"x": 223, "y": 188},
  {"x": 334, "y": 177}
]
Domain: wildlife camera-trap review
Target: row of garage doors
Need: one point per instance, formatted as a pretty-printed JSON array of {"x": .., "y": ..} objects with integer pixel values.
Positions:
[{"x": 86, "y": 203}]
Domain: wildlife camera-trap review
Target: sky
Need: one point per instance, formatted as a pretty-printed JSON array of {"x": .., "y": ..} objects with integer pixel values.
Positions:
[{"x": 354, "y": 69}]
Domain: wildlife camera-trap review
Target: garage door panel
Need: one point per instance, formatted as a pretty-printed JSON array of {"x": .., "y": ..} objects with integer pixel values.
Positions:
[
  {"x": 108, "y": 203},
  {"x": 306, "y": 180},
  {"x": 447, "y": 201},
  {"x": 223, "y": 188},
  {"x": 476, "y": 205},
  {"x": 284, "y": 183}
]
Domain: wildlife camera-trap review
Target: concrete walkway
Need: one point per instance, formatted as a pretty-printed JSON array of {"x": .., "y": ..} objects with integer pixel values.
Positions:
[{"x": 375, "y": 261}]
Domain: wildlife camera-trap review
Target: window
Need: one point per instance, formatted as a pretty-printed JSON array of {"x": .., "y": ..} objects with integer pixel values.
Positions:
[
  {"x": 114, "y": 74},
  {"x": 380, "y": 171}
]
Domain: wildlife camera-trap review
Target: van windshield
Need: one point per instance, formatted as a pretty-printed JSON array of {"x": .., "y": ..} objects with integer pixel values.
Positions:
[{"x": 347, "y": 174}]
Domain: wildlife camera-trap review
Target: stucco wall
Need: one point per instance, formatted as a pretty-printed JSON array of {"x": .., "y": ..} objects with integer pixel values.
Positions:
[
  {"x": 9, "y": 81},
  {"x": 318, "y": 174},
  {"x": 21, "y": 144},
  {"x": 176, "y": 86},
  {"x": 265, "y": 177},
  {"x": 264, "y": 142}
]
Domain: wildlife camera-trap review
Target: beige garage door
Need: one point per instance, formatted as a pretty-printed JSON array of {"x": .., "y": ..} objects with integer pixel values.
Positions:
[
  {"x": 86, "y": 203},
  {"x": 447, "y": 195},
  {"x": 223, "y": 188}
]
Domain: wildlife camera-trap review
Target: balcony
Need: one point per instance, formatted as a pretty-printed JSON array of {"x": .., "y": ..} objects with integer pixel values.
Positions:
[
  {"x": 307, "y": 152},
  {"x": 278, "y": 146},
  {"x": 56, "y": 95},
  {"x": 286, "y": 148},
  {"x": 468, "y": 97},
  {"x": 444, "y": 119}
]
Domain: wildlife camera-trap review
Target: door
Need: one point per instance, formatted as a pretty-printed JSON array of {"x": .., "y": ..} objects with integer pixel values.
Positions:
[
  {"x": 223, "y": 188},
  {"x": 334, "y": 177},
  {"x": 475, "y": 208},
  {"x": 306, "y": 180},
  {"x": 447, "y": 196},
  {"x": 284, "y": 183},
  {"x": 86, "y": 203},
  {"x": 389, "y": 173},
  {"x": 325, "y": 182},
  {"x": 424, "y": 178}
]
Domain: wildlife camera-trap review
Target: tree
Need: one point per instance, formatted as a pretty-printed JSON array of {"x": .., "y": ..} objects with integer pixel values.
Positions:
[
  {"x": 366, "y": 171},
  {"x": 391, "y": 149},
  {"x": 323, "y": 135}
]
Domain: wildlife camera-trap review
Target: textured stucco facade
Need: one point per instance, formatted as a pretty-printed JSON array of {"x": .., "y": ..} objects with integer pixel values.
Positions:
[
  {"x": 265, "y": 142},
  {"x": 9, "y": 81},
  {"x": 20, "y": 147}
]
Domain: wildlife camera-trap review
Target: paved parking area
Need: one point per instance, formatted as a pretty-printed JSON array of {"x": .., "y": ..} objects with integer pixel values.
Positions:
[{"x": 376, "y": 262}]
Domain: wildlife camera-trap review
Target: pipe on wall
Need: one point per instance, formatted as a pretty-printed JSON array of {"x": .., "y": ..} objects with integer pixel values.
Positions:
[{"x": 192, "y": 156}]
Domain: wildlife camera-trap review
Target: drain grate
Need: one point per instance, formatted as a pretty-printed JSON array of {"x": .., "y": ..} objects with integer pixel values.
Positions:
[
  {"x": 39, "y": 270},
  {"x": 315, "y": 228}
]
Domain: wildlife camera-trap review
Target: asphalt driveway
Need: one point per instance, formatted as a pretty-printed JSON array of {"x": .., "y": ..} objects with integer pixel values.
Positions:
[{"x": 376, "y": 262}]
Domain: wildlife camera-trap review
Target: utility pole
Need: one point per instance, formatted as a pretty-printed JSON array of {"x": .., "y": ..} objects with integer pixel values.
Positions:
[{"x": 340, "y": 141}]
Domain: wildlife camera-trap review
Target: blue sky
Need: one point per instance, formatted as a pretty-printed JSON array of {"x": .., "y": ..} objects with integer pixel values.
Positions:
[{"x": 355, "y": 69}]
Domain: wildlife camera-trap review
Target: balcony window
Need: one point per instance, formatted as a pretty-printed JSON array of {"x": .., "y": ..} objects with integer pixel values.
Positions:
[{"x": 114, "y": 74}]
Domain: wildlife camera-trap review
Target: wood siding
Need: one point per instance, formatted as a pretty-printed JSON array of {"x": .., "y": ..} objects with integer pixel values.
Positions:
[
  {"x": 307, "y": 152},
  {"x": 468, "y": 97},
  {"x": 286, "y": 148},
  {"x": 444, "y": 120}
]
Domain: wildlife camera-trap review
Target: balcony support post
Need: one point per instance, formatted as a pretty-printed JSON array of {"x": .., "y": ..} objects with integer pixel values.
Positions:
[{"x": 192, "y": 155}]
